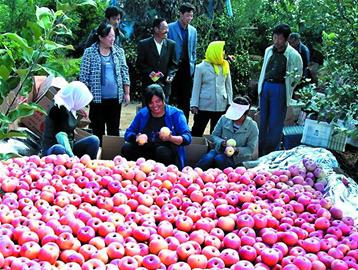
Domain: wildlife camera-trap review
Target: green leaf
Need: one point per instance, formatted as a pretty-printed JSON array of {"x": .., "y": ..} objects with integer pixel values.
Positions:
[
  {"x": 59, "y": 13},
  {"x": 43, "y": 11},
  {"x": 13, "y": 82},
  {"x": 28, "y": 55},
  {"x": 17, "y": 39},
  {"x": 4, "y": 119},
  {"x": 13, "y": 134},
  {"x": 35, "y": 28},
  {"x": 51, "y": 45},
  {"x": 22, "y": 72},
  {"x": 45, "y": 17},
  {"x": 4, "y": 72},
  {"x": 25, "y": 109},
  {"x": 6, "y": 156},
  {"x": 88, "y": 2},
  {"x": 53, "y": 69}
]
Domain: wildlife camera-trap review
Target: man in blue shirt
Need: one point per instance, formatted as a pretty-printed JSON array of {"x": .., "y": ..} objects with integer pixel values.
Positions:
[{"x": 185, "y": 37}]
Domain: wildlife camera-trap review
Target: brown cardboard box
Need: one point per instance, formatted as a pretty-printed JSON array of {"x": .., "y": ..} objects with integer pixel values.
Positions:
[
  {"x": 36, "y": 122},
  {"x": 197, "y": 148},
  {"x": 111, "y": 146},
  {"x": 44, "y": 97}
]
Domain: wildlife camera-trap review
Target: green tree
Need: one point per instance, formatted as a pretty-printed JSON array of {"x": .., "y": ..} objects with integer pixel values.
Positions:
[{"x": 23, "y": 56}]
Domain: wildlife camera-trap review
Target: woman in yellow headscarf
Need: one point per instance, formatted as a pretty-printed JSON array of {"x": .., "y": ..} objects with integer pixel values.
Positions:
[{"x": 212, "y": 89}]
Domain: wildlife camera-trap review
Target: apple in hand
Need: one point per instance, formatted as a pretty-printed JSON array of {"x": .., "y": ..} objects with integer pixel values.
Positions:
[
  {"x": 231, "y": 142},
  {"x": 229, "y": 151},
  {"x": 142, "y": 139},
  {"x": 164, "y": 132}
]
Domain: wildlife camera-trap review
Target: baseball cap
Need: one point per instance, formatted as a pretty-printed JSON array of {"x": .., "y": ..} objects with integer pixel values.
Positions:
[{"x": 235, "y": 111}]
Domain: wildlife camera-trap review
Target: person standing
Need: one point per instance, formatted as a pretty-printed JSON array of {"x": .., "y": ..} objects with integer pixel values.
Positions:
[
  {"x": 212, "y": 89},
  {"x": 185, "y": 37},
  {"x": 295, "y": 41},
  {"x": 156, "y": 60},
  {"x": 113, "y": 16},
  {"x": 280, "y": 73},
  {"x": 104, "y": 70}
]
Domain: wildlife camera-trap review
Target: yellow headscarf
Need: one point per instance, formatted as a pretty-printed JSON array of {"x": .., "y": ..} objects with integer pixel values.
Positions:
[{"x": 215, "y": 55}]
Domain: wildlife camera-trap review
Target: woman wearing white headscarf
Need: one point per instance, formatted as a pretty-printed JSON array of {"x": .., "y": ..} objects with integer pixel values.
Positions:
[{"x": 61, "y": 121}]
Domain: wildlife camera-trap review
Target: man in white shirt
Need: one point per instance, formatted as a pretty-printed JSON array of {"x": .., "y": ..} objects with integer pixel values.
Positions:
[{"x": 156, "y": 60}]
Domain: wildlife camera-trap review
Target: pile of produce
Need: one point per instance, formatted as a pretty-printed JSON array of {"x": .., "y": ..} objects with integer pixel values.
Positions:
[{"x": 58, "y": 212}]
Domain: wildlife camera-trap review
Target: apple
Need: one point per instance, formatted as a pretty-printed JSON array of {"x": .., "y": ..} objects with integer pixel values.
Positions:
[
  {"x": 164, "y": 131},
  {"x": 49, "y": 252},
  {"x": 231, "y": 142},
  {"x": 270, "y": 256},
  {"x": 229, "y": 151}
]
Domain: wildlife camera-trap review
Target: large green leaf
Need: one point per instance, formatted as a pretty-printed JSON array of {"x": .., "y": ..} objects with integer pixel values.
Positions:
[
  {"x": 53, "y": 69},
  {"x": 51, "y": 45},
  {"x": 23, "y": 110},
  {"x": 17, "y": 39},
  {"x": 45, "y": 17},
  {"x": 43, "y": 12},
  {"x": 13, "y": 134},
  {"x": 35, "y": 28}
]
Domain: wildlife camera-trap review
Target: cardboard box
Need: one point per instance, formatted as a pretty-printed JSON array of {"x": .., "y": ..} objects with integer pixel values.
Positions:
[
  {"x": 44, "y": 97},
  {"x": 324, "y": 135},
  {"x": 36, "y": 122},
  {"x": 195, "y": 150},
  {"x": 111, "y": 146}
]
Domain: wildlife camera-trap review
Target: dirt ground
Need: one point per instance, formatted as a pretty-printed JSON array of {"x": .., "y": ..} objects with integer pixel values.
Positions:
[{"x": 128, "y": 113}]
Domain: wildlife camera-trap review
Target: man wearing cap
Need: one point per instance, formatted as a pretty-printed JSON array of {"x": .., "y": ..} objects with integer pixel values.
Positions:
[
  {"x": 281, "y": 72},
  {"x": 235, "y": 129}
]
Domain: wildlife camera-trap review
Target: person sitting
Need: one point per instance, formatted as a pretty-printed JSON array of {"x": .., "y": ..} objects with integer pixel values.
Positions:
[
  {"x": 234, "y": 125},
  {"x": 144, "y": 137},
  {"x": 61, "y": 121}
]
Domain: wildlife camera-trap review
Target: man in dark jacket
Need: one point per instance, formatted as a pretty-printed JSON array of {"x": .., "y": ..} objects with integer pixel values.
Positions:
[{"x": 156, "y": 60}]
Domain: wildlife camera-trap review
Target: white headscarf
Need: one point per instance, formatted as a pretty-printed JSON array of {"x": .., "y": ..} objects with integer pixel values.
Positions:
[{"x": 74, "y": 96}]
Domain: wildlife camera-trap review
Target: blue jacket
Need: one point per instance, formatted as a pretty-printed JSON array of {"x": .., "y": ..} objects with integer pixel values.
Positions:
[
  {"x": 175, "y": 34},
  {"x": 174, "y": 120}
]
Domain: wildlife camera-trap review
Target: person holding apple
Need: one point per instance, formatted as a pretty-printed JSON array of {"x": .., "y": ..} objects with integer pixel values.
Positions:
[
  {"x": 156, "y": 60},
  {"x": 61, "y": 121},
  {"x": 158, "y": 131},
  {"x": 235, "y": 137}
]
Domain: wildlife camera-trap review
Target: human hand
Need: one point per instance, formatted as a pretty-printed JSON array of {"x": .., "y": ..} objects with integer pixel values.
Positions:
[
  {"x": 141, "y": 139},
  {"x": 194, "y": 110},
  {"x": 127, "y": 99},
  {"x": 169, "y": 79}
]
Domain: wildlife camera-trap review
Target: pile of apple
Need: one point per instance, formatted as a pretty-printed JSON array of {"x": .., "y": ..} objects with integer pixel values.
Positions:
[{"x": 58, "y": 212}]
